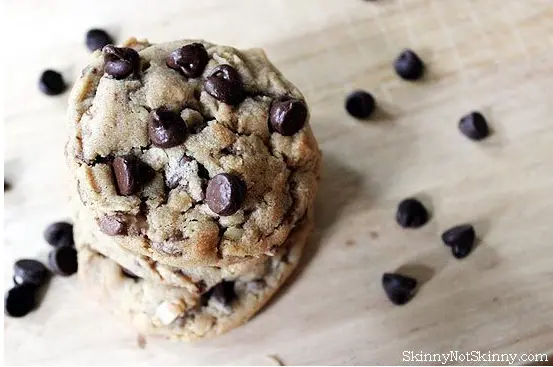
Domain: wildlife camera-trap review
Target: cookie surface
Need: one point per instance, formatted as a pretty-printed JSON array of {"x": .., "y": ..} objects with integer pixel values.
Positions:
[
  {"x": 195, "y": 278},
  {"x": 191, "y": 153},
  {"x": 178, "y": 313}
]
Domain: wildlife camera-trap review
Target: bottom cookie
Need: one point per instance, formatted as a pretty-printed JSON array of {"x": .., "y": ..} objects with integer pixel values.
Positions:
[{"x": 178, "y": 313}]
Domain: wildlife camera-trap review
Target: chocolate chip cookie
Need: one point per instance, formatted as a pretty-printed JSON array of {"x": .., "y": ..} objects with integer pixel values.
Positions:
[
  {"x": 191, "y": 153},
  {"x": 196, "y": 278},
  {"x": 178, "y": 313}
]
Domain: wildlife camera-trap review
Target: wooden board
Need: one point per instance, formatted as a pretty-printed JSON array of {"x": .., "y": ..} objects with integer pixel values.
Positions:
[{"x": 494, "y": 56}]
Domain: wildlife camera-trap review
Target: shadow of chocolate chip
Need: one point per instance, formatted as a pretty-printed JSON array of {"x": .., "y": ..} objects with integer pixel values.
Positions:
[{"x": 422, "y": 273}]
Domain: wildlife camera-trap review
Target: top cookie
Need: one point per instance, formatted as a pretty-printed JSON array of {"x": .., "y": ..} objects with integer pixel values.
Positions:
[{"x": 189, "y": 152}]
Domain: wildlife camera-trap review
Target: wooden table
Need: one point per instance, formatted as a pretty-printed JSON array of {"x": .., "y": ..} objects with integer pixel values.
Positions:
[{"x": 493, "y": 56}]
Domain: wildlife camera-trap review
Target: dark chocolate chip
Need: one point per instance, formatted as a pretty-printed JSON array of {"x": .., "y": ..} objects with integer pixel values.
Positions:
[
  {"x": 166, "y": 128},
  {"x": 411, "y": 213},
  {"x": 190, "y": 60},
  {"x": 29, "y": 271},
  {"x": 7, "y": 186},
  {"x": 461, "y": 235},
  {"x": 225, "y": 84},
  {"x": 360, "y": 104},
  {"x": 399, "y": 288},
  {"x": 51, "y": 83},
  {"x": 63, "y": 260},
  {"x": 96, "y": 39},
  {"x": 288, "y": 116},
  {"x": 224, "y": 293},
  {"x": 130, "y": 174},
  {"x": 474, "y": 126},
  {"x": 408, "y": 65},
  {"x": 113, "y": 225},
  {"x": 59, "y": 234},
  {"x": 20, "y": 300},
  {"x": 225, "y": 194},
  {"x": 461, "y": 239},
  {"x": 120, "y": 61}
]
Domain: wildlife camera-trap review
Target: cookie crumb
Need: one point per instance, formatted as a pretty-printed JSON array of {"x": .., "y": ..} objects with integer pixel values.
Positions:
[
  {"x": 276, "y": 360},
  {"x": 374, "y": 234},
  {"x": 350, "y": 243},
  {"x": 141, "y": 341}
]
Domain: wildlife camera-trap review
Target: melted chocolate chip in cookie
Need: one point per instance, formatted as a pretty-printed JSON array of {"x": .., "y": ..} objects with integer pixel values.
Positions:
[
  {"x": 120, "y": 61},
  {"x": 225, "y": 84},
  {"x": 225, "y": 194},
  {"x": 166, "y": 128},
  {"x": 113, "y": 225},
  {"x": 190, "y": 60},
  {"x": 287, "y": 116},
  {"x": 130, "y": 173}
]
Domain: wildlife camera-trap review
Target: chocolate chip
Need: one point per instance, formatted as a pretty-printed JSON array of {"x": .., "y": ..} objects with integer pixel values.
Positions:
[
  {"x": 474, "y": 126},
  {"x": 130, "y": 174},
  {"x": 7, "y": 186},
  {"x": 166, "y": 128},
  {"x": 59, "y": 234},
  {"x": 399, "y": 288},
  {"x": 120, "y": 61},
  {"x": 411, "y": 213},
  {"x": 113, "y": 225},
  {"x": 225, "y": 194},
  {"x": 225, "y": 84},
  {"x": 287, "y": 116},
  {"x": 224, "y": 293},
  {"x": 190, "y": 60},
  {"x": 20, "y": 300},
  {"x": 51, "y": 83},
  {"x": 29, "y": 271},
  {"x": 63, "y": 260},
  {"x": 96, "y": 39},
  {"x": 360, "y": 104},
  {"x": 461, "y": 240},
  {"x": 408, "y": 65}
]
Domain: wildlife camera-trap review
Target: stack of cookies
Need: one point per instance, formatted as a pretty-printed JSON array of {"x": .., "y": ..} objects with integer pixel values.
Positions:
[{"x": 194, "y": 171}]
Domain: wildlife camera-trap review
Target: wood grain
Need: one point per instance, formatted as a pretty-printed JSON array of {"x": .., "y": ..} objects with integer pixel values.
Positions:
[{"x": 488, "y": 55}]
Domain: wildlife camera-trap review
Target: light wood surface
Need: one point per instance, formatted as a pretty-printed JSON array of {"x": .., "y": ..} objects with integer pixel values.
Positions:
[{"x": 494, "y": 56}]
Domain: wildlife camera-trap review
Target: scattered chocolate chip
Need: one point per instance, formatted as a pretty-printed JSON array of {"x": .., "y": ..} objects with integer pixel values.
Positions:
[
  {"x": 63, "y": 260},
  {"x": 130, "y": 173},
  {"x": 190, "y": 60},
  {"x": 120, "y": 61},
  {"x": 225, "y": 84},
  {"x": 225, "y": 194},
  {"x": 224, "y": 293},
  {"x": 96, "y": 39},
  {"x": 408, "y": 65},
  {"x": 59, "y": 234},
  {"x": 129, "y": 274},
  {"x": 461, "y": 240},
  {"x": 411, "y": 213},
  {"x": 29, "y": 271},
  {"x": 7, "y": 186},
  {"x": 399, "y": 288},
  {"x": 113, "y": 225},
  {"x": 287, "y": 116},
  {"x": 166, "y": 128},
  {"x": 51, "y": 83},
  {"x": 360, "y": 104},
  {"x": 20, "y": 300},
  {"x": 474, "y": 126}
]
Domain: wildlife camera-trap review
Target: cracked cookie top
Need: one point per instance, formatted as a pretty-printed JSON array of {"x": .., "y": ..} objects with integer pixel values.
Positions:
[{"x": 189, "y": 152}]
